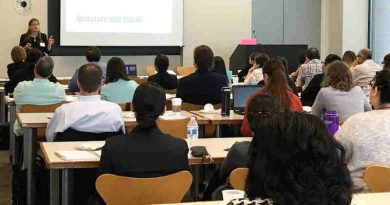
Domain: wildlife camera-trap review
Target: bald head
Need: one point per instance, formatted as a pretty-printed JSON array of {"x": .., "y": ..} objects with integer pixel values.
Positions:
[
  {"x": 44, "y": 67},
  {"x": 365, "y": 54}
]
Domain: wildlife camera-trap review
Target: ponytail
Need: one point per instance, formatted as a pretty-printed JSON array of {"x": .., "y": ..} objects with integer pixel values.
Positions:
[{"x": 277, "y": 84}]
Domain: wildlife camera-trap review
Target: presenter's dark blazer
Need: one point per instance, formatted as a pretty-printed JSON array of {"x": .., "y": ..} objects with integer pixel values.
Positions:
[
  {"x": 165, "y": 80},
  {"x": 310, "y": 93},
  {"x": 143, "y": 154},
  {"x": 201, "y": 87},
  {"x": 35, "y": 42}
]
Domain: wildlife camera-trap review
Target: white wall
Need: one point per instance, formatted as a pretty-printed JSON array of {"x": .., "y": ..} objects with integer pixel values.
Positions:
[{"x": 217, "y": 23}]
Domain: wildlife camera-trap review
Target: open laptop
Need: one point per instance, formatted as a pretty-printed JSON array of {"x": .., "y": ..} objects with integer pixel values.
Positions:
[
  {"x": 241, "y": 94},
  {"x": 131, "y": 70}
]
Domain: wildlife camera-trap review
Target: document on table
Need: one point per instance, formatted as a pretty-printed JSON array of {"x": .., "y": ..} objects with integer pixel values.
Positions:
[{"x": 77, "y": 155}]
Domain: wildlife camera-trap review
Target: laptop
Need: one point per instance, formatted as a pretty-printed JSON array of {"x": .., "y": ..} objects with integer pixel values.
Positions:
[
  {"x": 131, "y": 70},
  {"x": 241, "y": 94}
]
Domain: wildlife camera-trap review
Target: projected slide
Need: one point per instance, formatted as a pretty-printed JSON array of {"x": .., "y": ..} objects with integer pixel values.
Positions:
[{"x": 122, "y": 22}]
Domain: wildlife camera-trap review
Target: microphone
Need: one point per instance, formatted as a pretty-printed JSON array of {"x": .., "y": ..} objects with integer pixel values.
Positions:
[{"x": 254, "y": 34}]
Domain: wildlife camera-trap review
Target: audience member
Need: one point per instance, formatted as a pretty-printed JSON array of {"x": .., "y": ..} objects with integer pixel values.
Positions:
[
  {"x": 93, "y": 56},
  {"x": 39, "y": 91},
  {"x": 294, "y": 160},
  {"x": 349, "y": 58},
  {"x": 366, "y": 135},
  {"x": 276, "y": 85},
  {"x": 162, "y": 77},
  {"x": 203, "y": 86},
  {"x": 244, "y": 72},
  {"x": 310, "y": 93},
  {"x": 88, "y": 113},
  {"x": 18, "y": 55},
  {"x": 365, "y": 69},
  {"x": 219, "y": 65},
  {"x": 291, "y": 83},
  {"x": 255, "y": 74},
  {"x": 339, "y": 94},
  {"x": 118, "y": 88},
  {"x": 310, "y": 69},
  {"x": 386, "y": 62}
]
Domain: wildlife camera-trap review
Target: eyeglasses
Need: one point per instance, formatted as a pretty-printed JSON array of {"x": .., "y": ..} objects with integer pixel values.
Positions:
[{"x": 372, "y": 83}]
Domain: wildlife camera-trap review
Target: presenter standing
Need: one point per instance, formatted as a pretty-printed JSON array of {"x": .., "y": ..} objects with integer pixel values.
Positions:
[{"x": 33, "y": 38}]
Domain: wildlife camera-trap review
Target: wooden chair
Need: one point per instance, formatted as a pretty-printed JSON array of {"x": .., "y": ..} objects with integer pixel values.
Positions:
[
  {"x": 140, "y": 81},
  {"x": 185, "y": 70},
  {"x": 176, "y": 128},
  {"x": 118, "y": 190},
  {"x": 173, "y": 91},
  {"x": 63, "y": 81},
  {"x": 237, "y": 178},
  {"x": 27, "y": 108},
  {"x": 151, "y": 70},
  {"x": 125, "y": 106},
  {"x": 377, "y": 178}
]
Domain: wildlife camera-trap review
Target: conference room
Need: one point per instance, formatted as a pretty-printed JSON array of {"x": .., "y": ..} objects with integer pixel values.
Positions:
[{"x": 194, "y": 102}]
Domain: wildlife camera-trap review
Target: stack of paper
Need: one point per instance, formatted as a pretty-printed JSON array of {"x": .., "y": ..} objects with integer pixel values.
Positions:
[{"x": 76, "y": 155}]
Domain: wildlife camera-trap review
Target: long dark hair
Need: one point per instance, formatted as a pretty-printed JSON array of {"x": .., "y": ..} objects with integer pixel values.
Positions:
[
  {"x": 277, "y": 84},
  {"x": 148, "y": 103},
  {"x": 116, "y": 70},
  {"x": 382, "y": 82},
  {"x": 295, "y": 161},
  {"x": 219, "y": 65}
]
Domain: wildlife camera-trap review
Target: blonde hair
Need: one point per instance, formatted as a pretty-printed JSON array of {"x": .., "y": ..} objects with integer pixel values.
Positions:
[{"x": 18, "y": 54}]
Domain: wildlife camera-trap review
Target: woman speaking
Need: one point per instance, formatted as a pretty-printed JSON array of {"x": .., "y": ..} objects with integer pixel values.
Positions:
[{"x": 33, "y": 38}]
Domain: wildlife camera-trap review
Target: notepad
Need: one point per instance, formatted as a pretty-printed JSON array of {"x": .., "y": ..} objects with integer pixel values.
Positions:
[
  {"x": 90, "y": 146},
  {"x": 76, "y": 155},
  {"x": 169, "y": 115}
]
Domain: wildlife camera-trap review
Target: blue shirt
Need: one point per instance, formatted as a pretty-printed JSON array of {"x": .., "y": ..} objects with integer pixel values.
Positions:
[
  {"x": 121, "y": 91},
  {"x": 73, "y": 82}
]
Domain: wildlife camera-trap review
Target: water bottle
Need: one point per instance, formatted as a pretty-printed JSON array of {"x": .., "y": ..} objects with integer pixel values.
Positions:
[
  {"x": 331, "y": 120},
  {"x": 225, "y": 100},
  {"x": 192, "y": 131}
]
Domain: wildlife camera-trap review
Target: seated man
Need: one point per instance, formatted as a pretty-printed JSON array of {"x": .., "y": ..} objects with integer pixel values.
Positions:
[
  {"x": 40, "y": 91},
  {"x": 88, "y": 113},
  {"x": 93, "y": 56},
  {"x": 366, "y": 68},
  {"x": 310, "y": 69},
  {"x": 203, "y": 86}
]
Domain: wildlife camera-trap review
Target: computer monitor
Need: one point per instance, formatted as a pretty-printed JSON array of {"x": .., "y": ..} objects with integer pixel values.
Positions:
[
  {"x": 131, "y": 70},
  {"x": 241, "y": 94}
]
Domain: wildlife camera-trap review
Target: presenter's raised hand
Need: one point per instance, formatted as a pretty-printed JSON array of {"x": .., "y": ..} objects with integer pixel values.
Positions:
[{"x": 50, "y": 42}]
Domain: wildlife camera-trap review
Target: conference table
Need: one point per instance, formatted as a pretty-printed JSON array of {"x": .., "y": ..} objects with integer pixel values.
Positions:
[
  {"x": 31, "y": 121},
  {"x": 215, "y": 146}
]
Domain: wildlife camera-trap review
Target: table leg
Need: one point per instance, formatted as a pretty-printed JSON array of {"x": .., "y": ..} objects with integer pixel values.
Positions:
[
  {"x": 54, "y": 186},
  {"x": 67, "y": 186},
  {"x": 12, "y": 141},
  {"x": 218, "y": 131},
  {"x": 195, "y": 182},
  {"x": 29, "y": 157},
  {"x": 2, "y": 107}
]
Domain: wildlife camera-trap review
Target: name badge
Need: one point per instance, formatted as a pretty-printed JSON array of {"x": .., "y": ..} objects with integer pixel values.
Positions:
[{"x": 42, "y": 44}]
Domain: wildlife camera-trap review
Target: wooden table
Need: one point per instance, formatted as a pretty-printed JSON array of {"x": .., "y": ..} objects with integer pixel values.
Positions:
[
  {"x": 218, "y": 120},
  {"x": 215, "y": 146},
  {"x": 31, "y": 121},
  {"x": 358, "y": 199}
]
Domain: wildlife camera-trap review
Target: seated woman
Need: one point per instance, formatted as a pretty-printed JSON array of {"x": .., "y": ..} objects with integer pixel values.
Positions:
[
  {"x": 276, "y": 85},
  {"x": 294, "y": 160},
  {"x": 118, "y": 88},
  {"x": 145, "y": 151},
  {"x": 255, "y": 74},
  {"x": 219, "y": 65},
  {"x": 366, "y": 135},
  {"x": 18, "y": 55},
  {"x": 349, "y": 58},
  {"x": 339, "y": 94},
  {"x": 162, "y": 77}
]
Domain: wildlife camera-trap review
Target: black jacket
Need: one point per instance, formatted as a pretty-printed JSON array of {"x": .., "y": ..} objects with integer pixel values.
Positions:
[
  {"x": 144, "y": 153},
  {"x": 201, "y": 87},
  {"x": 35, "y": 42},
  {"x": 241, "y": 75},
  {"x": 236, "y": 158},
  {"x": 12, "y": 68},
  {"x": 309, "y": 95},
  {"x": 165, "y": 80}
]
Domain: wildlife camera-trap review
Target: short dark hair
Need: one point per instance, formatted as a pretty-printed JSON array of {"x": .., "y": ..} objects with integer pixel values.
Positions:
[
  {"x": 331, "y": 58},
  {"x": 293, "y": 154},
  {"x": 90, "y": 77},
  {"x": 204, "y": 57},
  {"x": 252, "y": 55},
  {"x": 219, "y": 65},
  {"x": 382, "y": 82},
  {"x": 148, "y": 103},
  {"x": 365, "y": 53},
  {"x": 312, "y": 53},
  {"x": 18, "y": 54},
  {"x": 116, "y": 70},
  {"x": 161, "y": 62},
  {"x": 44, "y": 66},
  {"x": 349, "y": 57},
  {"x": 386, "y": 61},
  {"x": 33, "y": 55},
  {"x": 261, "y": 59},
  {"x": 93, "y": 54},
  {"x": 301, "y": 58}
]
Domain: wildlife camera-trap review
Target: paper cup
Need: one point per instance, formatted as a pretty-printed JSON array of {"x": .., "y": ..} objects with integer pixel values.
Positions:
[
  {"x": 229, "y": 195},
  {"x": 235, "y": 80},
  {"x": 176, "y": 104}
]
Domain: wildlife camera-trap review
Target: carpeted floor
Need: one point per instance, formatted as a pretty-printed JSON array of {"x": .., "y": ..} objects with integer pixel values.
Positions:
[{"x": 5, "y": 178}]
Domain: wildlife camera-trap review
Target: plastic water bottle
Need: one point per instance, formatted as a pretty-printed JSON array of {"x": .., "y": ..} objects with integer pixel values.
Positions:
[
  {"x": 331, "y": 120},
  {"x": 192, "y": 131}
]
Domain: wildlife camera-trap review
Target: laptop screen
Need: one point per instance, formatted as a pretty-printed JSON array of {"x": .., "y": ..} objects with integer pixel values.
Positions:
[
  {"x": 131, "y": 70},
  {"x": 241, "y": 94}
]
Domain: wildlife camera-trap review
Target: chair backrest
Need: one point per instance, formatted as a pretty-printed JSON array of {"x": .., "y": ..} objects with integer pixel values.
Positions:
[
  {"x": 151, "y": 70},
  {"x": 125, "y": 106},
  {"x": 176, "y": 128},
  {"x": 118, "y": 190},
  {"x": 193, "y": 107},
  {"x": 173, "y": 91},
  {"x": 237, "y": 178},
  {"x": 63, "y": 81},
  {"x": 141, "y": 80},
  {"x": 185, "y": 70},
  {"x": 377, "y": 178}
]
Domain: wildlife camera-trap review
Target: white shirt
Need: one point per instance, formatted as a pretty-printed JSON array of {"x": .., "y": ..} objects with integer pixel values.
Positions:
[
  {"x": 86, "y": 114},
  {"x": 366, "y": 138},
  {"x": 362, "y": 74},
  {"x": 255, "y": 77}
]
